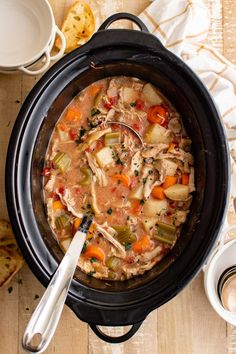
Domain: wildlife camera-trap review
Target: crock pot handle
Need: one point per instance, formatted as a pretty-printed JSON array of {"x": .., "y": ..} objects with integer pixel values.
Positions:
[
  {"x": 119, "y": 339},
  {"x": 123, "y": 16}
]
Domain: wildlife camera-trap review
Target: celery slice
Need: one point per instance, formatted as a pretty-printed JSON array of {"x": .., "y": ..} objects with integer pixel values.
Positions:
[
  {"x": 112, "y": 138},
  {"x": 124, "y": 235},
  {"x": 62, "y": 161},
  {"x": 87, "y": 176},
  {"x": 62, "y": 222},
  {"x": 113, "y": 263}
]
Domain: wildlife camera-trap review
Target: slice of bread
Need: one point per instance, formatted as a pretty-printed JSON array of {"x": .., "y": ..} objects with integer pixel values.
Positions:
[
  {"x": 10, "y": 263},
  {"x": 10, "y": 259},
  {"x": 78, "y": 26}
]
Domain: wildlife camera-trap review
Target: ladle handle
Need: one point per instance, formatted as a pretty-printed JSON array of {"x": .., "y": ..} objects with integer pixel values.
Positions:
[{"x": 44, "y": 320}]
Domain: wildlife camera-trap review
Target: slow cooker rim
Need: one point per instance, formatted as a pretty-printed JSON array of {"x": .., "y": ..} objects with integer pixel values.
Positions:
[{"x": 48, "y": 77}]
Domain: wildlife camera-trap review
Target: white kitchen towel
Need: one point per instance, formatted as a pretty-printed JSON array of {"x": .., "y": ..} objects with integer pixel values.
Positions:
[{"x": 182, "y": 26}]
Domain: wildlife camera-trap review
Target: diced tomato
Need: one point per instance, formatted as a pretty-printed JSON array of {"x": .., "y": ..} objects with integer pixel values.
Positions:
[
  {"x": 139, "y": 104},
  {"x": 137, "y": 126},
  {"x": 133, "y": 183},
  {"x": 61, "y": 190},
  {"x": 89, "y": 149},
  {"x": 173, "y": 205},
  {"x": 55, "y": 196},
  {"x": 112, "y": 102},
  {"x": 99, "y": 144},
  {"x": 113, "y": 189},
  {"x": 107, "y": 105},
  {"x": 73, "y": 133},
  {"x": 130, "y": 259},
  {"x": 46, "y": 172},
  {"x": 136, "y": 207}
]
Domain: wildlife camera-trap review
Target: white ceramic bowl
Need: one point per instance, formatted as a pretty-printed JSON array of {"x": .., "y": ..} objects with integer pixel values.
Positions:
[
  {"x": 27, "y": 33},
  {"x": 222, "y": 258}
]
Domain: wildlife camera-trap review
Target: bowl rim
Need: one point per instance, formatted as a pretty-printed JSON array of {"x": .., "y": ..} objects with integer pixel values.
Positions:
[{"x": 19, "y": 63}]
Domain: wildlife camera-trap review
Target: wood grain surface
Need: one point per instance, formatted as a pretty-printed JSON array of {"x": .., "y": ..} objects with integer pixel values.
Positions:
[{"x": 185, "y": 325}]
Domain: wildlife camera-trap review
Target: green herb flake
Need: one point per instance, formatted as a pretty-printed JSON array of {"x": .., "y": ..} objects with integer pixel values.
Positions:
[
  {"x": 10, "y": 289},
  {"x": 80, "y": 134},
  {"x": 109, "y": 211},
  {"x": 95, "y": 111},
  {"x": 93, "y": 260},
  {"x": 128, "y": 217},
  {"x": 119, "y": 162},
  {"x": 144, "y": 180},
  {"x": 150, "y": 172},
  {"x": 136, "y": 172},
  {"x": 90, "y": 274},
  {"x": 127, "y": 246},
  {"x": 133, "y": 104},
  {"x": 142, "y": 201}
]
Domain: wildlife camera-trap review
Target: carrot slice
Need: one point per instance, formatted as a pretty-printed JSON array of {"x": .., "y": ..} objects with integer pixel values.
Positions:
[
  {"x": 72, "y": 115},
  {"x": 158, "y": 193},
  {"x": 169, "y": 181},
  {"x": 171, "y": 147},
  {"x": 93, "y": 251},
  {"x": 136, "y": 207},
  {"x": 157, "y": 114},
  {"x": 57, "y": 205},
  {"x": 94, "y": 89},
  {"x": 123, "y": 178},
  {"x": 76, "y": 225},
  {"x": 91, "y": 231},
  {"x": 185, "y": 179},
  {"x": 142, "y": 245}
]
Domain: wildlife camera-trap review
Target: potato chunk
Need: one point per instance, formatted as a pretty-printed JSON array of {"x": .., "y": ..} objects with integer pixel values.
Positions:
[
  {"x": 104, "y": 156},
  {"x": 154, "y": 207},
  {"x": 178, "y": 192},
  {"x": 151, "y": 95},
  {"x": 156, "y": 134}
]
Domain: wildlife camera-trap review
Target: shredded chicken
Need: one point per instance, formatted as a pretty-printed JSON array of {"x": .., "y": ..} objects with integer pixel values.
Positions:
[
  {"x": 95, "y": 135},
  {"x": 54, "y": 149},
  {"x": 99, "y": 173},
  {"x": 148, "y": 256},
  {"x": 129, "y": 143},
  {"x": 50, "y": 183},
  {"x": 69, "y": 202},
  {"x": 175, "y": 125},
  {"x": 148, "y": 186},
  {"x": 94, "y": 197},
  {"x": 191, "y": 180},
  {"x": 136, "y": 162},
  {"x": 180, "y": 217},
  {"x": 112, "y": 90},
  {"x": 110, "y": 114},
  {"x": 165, "y": 168},
  {"x": 154, "y": 151},
  {"x": 108, "y": 232},
  {"x": 50, "y": 212}
]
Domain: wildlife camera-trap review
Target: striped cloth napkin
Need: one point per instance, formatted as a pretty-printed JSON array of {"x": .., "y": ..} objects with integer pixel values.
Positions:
[{"x": 182, "y": 27}]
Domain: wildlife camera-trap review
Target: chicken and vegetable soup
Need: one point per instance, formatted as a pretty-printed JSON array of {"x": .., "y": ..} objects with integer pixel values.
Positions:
[{"x": 138, "y": 191}]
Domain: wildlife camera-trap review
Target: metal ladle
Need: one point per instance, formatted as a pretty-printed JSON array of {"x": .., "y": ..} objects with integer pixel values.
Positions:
[{"x": 45, "y": 318}]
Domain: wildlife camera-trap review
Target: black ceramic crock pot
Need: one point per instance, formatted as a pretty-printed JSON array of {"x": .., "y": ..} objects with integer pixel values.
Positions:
[{"x": 133, "y": 53}]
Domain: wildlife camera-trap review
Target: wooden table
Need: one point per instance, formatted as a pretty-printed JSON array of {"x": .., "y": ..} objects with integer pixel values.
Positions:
[{"x": 185, "y": 325}]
